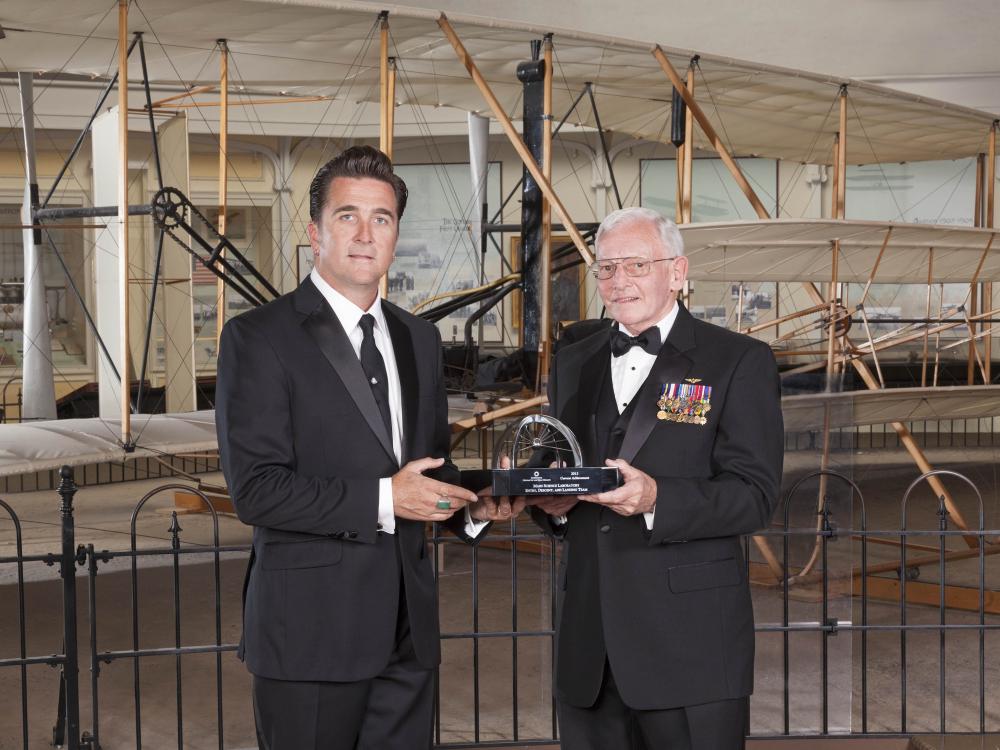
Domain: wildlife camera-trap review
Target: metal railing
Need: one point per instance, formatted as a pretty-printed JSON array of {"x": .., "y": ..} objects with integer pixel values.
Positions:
[
  {"x": 822, "y": 581},
  {"x": 938, "y": 433},
  {"x": 892, "y": 580},
  {"x": 5, "y": 403}
]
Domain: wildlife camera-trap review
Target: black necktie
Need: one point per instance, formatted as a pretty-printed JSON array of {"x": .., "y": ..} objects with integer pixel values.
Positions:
[
  {"x": 649, "y": 340},
  {"x": 374, "y": 367}
]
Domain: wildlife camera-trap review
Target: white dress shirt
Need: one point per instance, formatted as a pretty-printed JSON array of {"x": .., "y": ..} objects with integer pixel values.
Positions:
[
  {"x": 349, "y": 316},
  {"x": 630, "y": 370}
]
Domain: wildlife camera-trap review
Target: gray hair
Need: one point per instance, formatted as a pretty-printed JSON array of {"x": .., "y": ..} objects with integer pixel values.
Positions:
[{"x": 670, "y": 235}]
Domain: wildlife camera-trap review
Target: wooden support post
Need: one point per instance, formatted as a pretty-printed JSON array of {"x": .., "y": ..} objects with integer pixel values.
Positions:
[
  {"x": 986, "y": 303},
  {"x": 927, "y": 314},
  {"x": 522, "y": 151},
  {"x": 679, "y": 162},
  {"x": 739, "y": 309},
  {"x": 937, "y": 336},
  {"x": 710, "y": 133},
  {"x": 688, "y": 147},
  {"x": 991, "y": 181},
  {"x": 991, "y": 174},
  {"x": 383, "y": 79},
  {"x": 832, "y": 312},
  {"x": 123, "y": 259},
  {"x": 973, "y": 353},
  {"x": 842, "y": 156},
  {"x": 979, "y": 212},
  {"x": 385, "y": 111},
  {"x": 220, "y": 294},
  {"x": 835, "y": 168},
  {"x": 390, "y": 110}
]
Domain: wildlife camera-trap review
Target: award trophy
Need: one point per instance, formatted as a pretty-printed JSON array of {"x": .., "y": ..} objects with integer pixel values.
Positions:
[{"x": 545, "y": 459}]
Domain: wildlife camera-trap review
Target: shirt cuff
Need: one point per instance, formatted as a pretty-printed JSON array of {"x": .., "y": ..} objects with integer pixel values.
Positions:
[
  {"x": 649, "y": 519},
  {"x": 473, "y": 528},
  {"x": 386, "y": 517}
]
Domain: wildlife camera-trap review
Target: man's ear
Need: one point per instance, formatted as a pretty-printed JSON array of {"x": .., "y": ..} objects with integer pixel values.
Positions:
[
  {"x": 680, "y": 272},
  {"x": 313, "y": 231}
]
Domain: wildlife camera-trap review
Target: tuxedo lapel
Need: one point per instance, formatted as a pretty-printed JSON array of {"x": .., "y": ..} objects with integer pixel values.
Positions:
[
  {"x": 406, "y": 367},
  {"x": 672, "y": 364},
  {"x": 326, "y": 331},
  {"x": 597, "y": 370}
]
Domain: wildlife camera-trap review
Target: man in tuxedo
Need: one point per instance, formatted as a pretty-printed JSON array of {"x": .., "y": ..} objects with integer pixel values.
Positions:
[
  {"x": 332, "y": 423},
  {"x": 655, "y": 641}
]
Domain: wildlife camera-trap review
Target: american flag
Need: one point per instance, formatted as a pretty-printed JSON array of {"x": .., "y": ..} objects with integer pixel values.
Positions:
[{"x": 200, "y": 274}]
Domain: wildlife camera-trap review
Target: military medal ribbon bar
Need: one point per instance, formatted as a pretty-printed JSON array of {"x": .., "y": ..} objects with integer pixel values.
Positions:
[{"x": 687, "y": 403}]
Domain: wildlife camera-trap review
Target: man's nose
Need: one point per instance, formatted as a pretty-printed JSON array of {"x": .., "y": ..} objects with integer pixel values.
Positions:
[{"x": 364, "y": 233}]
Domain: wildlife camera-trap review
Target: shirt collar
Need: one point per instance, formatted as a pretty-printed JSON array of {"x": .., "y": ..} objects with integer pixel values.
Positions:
[
  {"x": 346, "y": 311},
  {"x": 665, "y": 325}
]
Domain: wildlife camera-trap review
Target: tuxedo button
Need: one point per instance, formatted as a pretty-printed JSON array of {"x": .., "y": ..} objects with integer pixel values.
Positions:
[{"x": 606, "y": 528}]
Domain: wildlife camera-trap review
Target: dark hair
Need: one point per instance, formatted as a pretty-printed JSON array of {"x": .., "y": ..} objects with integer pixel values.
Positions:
[{"x": 356, "y": 162}]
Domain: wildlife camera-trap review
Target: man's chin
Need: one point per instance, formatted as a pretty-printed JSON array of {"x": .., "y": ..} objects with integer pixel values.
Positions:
[
  {"x": 368, "y": 278},
  {"x": 624, "y": 318}
]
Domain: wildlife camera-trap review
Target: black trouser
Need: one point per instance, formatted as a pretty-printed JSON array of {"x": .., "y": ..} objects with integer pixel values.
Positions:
[
  {"x": 391, "y": 711},
  {"x": 611, "y": 725}
]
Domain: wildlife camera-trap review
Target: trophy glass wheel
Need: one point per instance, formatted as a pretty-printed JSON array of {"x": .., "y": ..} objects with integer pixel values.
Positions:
[{"x": 538, "y": 440}]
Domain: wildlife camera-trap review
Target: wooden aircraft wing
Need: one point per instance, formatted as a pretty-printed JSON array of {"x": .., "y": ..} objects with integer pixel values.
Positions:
[
  {"x": 801, "y": 250},
  {"x": 807, "y": 412},
  {"x": 43, "y": 446}
]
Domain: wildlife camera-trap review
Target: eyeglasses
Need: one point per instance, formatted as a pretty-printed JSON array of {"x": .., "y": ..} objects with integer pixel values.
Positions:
[{"x": 605, "y": 269}]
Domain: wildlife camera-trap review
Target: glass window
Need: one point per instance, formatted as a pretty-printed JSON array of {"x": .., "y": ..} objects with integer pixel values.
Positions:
[
  {"x": 437, "y": 251},
  {"x": 249, "y": 229},
  {"x": 67, "y": 322},
  {"x": 716, "y": 196}
]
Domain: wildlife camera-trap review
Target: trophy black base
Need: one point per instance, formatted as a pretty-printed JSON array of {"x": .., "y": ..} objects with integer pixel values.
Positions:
[
  {"x": 570, "y": 481},
  {"x": 579, "y": 480}
]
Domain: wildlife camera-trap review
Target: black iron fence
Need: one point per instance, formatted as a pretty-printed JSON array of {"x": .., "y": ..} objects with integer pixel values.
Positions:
[
  {"x": 955, "y": 606},
  {"x": 938, "y": 433},
  {"x": 845, "y": 604},
  {"x": 114, "y": 472},
  {"x": 8, "y": 403}
]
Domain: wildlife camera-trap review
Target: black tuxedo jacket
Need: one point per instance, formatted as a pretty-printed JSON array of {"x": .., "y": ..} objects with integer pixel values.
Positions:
[
  {"x": 303, "y": 446},
  {"x": 669, "y": 608}
]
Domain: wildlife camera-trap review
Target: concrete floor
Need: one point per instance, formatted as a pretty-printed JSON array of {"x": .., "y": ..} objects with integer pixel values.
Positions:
[{"x": 102, "y": 516}]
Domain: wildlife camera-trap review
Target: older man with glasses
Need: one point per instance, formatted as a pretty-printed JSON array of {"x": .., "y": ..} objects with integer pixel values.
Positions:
[{"x": 655, "y": 639}]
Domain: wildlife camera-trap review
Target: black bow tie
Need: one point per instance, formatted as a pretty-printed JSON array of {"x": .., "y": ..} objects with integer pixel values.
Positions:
[{"x": 649, "y": 340}]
